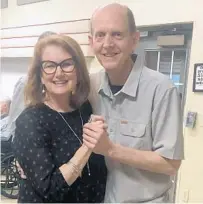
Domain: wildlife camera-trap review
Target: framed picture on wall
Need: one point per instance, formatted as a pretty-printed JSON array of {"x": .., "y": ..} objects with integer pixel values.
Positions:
[{"x": 198, "y": 78}]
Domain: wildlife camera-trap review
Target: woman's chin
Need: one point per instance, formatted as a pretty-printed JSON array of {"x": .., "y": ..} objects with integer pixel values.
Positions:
[{"x": 61, "y": 93}]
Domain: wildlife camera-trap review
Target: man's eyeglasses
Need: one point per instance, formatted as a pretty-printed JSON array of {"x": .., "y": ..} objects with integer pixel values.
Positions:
[{"x": 67, "y": 65}]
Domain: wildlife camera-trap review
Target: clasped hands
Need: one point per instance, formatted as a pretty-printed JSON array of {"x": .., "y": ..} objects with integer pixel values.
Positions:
[{"x": 95, "y": 136}]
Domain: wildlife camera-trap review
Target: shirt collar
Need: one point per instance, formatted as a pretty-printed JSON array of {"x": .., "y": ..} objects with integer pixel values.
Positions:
[
  {"x": 104, "y": 87},
  {"x": 130, "y": 87}
]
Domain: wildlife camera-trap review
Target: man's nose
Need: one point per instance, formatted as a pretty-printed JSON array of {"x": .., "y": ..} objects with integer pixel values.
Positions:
[{"x": 108, "y": 41}]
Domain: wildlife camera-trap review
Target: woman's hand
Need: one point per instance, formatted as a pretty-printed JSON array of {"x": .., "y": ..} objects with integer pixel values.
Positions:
[{"x": 95, "y": 136}]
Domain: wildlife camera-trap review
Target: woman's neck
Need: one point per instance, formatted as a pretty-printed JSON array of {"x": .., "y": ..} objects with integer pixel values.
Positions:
[{"x": 59, "y": 104}]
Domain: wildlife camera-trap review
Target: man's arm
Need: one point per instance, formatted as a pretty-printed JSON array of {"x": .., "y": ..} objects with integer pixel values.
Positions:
[{"x": 146, "y": 160}]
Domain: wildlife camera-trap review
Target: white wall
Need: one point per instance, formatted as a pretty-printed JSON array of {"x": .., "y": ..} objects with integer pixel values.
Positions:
[
  {"x": 20, "y": 41},
  {"x": 11, "y": 70},
  {"x": 48, "y": 11},
  {"x": 146, "y": 12}
]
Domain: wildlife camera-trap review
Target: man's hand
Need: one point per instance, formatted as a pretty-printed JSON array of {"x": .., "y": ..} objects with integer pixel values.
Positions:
[{"x": 95, "y": 136}]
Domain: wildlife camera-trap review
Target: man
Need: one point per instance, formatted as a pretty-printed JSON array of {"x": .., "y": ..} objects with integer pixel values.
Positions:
[
  {"x": 4, "y": 136},
  {"x": 4, "y": 106},
  {"x": 142, "y": 109},
  {"x": 17, "y": 104}
]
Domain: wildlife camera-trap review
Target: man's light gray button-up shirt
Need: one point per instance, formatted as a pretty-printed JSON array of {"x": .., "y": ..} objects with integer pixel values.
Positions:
[{"x": 146, "y": 115}]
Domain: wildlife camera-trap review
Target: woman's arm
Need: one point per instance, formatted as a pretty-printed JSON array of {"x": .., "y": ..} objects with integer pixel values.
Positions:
[
  {"x": 73, "y": 168},
  {"x": 32, "y": 150}
]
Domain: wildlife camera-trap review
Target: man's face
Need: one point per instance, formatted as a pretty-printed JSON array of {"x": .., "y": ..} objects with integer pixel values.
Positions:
[
  {"x": 4, "y": 107},
  {"x": 111, "y": 40}
]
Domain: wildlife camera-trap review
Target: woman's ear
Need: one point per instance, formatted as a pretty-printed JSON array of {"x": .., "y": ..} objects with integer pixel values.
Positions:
[{"x": 42, "y": 80}]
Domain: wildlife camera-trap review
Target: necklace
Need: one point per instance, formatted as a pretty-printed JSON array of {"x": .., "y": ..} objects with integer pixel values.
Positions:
[
  {"x": 82, "y": 123},
  {"x": 74, "y": 133}
]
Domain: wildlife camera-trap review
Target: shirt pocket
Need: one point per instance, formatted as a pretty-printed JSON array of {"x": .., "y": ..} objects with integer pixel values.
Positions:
[{"x": 132, "y": 134}]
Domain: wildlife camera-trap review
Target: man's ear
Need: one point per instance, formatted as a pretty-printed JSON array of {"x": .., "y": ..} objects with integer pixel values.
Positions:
[
  {"x": 136, "y": 39},
  {"x": 91, "y": 50}
]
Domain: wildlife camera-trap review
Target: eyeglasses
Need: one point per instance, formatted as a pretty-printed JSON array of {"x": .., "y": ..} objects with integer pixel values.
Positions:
[{"x": 67, "y": 65}]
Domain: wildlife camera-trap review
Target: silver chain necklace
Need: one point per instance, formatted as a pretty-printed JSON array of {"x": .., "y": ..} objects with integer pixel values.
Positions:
[
  {"x": 88, "y": 166},
  {"x": 82, "y": 123}
]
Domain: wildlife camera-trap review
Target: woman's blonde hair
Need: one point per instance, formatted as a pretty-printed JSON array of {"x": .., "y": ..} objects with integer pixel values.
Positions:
[{"x": 33, "y": 88}]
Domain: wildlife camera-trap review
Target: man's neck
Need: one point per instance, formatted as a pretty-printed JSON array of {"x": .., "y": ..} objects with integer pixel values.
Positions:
[{"x": 118, "y": 77}]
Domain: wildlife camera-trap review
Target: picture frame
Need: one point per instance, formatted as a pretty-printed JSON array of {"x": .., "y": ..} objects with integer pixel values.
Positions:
[{"x": 198, "y": 78}]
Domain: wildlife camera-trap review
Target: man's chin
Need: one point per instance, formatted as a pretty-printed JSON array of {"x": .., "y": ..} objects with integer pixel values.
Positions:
[{"x": 109, "y": 66}]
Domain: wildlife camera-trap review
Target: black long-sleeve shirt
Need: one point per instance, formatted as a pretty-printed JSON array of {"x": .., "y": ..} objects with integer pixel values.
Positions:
[{"x": 42, "y": 143}]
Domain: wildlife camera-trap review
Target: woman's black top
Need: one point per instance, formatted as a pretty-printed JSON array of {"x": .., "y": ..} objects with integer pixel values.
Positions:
[{"x": 42, "y": 143}]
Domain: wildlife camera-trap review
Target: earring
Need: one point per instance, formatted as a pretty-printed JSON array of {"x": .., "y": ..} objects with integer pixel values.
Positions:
[
  {"x": 43, "y": 89},
  {"x": 73, "y": 92}
]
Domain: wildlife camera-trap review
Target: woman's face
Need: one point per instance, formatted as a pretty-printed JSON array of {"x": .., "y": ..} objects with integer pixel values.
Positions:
[{"x": 58, "y": 71}]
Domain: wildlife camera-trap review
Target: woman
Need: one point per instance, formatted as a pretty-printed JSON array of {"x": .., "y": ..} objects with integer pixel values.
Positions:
[{"x": 48, "y": 137}]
